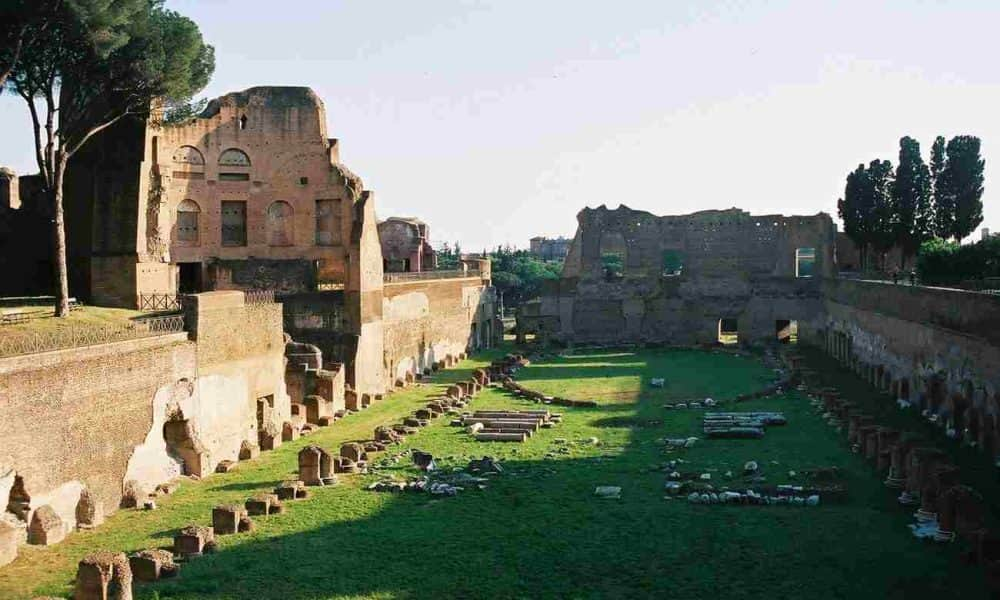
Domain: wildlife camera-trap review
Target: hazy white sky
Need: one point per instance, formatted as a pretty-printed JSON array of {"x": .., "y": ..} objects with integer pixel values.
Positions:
[{"x": 497, "y": 121}]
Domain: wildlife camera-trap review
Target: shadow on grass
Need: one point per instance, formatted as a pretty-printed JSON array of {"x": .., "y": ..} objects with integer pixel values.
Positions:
[{"x": 538, "y": 530}]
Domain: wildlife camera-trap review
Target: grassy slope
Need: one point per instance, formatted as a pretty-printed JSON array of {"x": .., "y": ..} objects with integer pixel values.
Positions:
[
  {"x": 538, "y": 531},
  {"x": 44, "y": 321}
]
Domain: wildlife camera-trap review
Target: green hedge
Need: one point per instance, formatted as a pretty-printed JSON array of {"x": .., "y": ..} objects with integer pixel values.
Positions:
[{"x": 946, "y": 263}]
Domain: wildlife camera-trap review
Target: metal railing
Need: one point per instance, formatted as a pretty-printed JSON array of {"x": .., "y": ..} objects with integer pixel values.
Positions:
[
  {"x": 258, "y": 297},
  {"x": 32, "y": 342},
  {"x": 428, "y": 275},
  {"x": 161, "y": 302}
]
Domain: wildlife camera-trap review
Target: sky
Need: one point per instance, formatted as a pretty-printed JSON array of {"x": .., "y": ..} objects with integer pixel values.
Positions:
[{"x": 496, "y": 121}]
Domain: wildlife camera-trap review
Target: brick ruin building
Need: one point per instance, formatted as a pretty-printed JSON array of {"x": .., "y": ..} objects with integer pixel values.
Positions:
[
  {"x": 728, "y": 276},
  {"x": 245, "y": 219},
  {"x": 632, "y": 276},
  {"x": 406, "y": 245},
  {"x": 252, "y": 194}
]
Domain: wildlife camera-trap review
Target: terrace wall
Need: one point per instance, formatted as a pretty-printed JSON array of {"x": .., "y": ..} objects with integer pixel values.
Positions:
[{"x": 95, "y": 416}]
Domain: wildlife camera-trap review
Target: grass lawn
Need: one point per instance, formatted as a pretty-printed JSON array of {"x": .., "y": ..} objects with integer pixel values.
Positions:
[
  {"x": 538, "y": 531},
  {"x": 42, "y": 318}
]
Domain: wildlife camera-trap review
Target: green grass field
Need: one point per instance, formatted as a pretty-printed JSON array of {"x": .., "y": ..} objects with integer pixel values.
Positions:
[{"x": 538, "y": 531}]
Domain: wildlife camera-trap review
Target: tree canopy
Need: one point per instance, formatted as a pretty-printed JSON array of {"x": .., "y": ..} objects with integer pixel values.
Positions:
[{"x": 83, "y": 65}]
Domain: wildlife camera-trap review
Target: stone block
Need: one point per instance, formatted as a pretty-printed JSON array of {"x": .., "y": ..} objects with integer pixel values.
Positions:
[
  {"x": 315, "y": 465},
  {"x": 353, "y": 451},
  {"x": 249, "y": 450},
  {"x": 245, "y": 525},
  {"x": 225, "y": 466},
  {"x": 148, "y": 565},
  {"x": 289, "y": 432},
  {"x": 89, "y": 510},
  {"x": 192, "y": 540},
  {"x": 226, "y": 518},
  {"x": 291, "y": 490},
  {"x": 104, "y": 576},
  {"x": 268, "y": 440},
  {"x": 46, "y": 527}
]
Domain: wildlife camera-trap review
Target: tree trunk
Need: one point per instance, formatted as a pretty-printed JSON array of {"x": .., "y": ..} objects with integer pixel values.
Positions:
[{"x": 58, "y": 221}]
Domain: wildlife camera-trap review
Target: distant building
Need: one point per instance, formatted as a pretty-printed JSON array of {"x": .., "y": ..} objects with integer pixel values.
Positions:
[
  {"x": 550, "y": 248},
  {"x": 406, "y": 245},
  {"x": 987, "y": 235}
]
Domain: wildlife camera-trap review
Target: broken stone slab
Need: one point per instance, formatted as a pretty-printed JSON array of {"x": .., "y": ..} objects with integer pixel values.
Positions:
[
  {"x": 226, "y": 518},
  {"x": 191, "y": 540},
  {"x": 104, "y": 576},
  {"x": 151, "y": 565},
  {"x": 484, "y": 436},
  {"x": 608, "y": 491},
  {"x": 225, "y": 466}
]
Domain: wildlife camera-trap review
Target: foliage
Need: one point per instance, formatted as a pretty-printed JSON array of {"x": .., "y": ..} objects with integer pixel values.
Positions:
[
  {"x": 613, "y": 265},
  {"x": 83, "y": 66},
  {"x": 911, "y": 197},
  {"x": 519, "y": 275},
  {"x": 543, "y": 506},
  {"x": 963, "y": 179},
  {"x": 867, "y": 206},
  {"x": 944, "y": 209},
  {"x": 448, "y": 258},
  {"x": 881, "y": 208},
  {"x": 943, "y": 262}
]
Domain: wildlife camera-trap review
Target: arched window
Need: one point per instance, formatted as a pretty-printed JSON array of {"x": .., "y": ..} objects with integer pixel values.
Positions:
[
  {"x": 188, "y": 212},
  {"x": 279, "y": 224},
  {"x": 189, "y": 155},
  {"x": 234, "y": 158}
]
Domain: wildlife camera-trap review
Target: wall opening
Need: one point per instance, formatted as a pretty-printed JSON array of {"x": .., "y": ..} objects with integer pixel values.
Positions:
[
  {"x": 189, "y": 278},
  {"x": 234, "y": 223},
  {"x": 728, "y": 331},
  {"x": 673, "y": 263},
  {"x": 327, "y": 222},
  {"x": 613, "y": 264},
  {"x": 182, "y": 445},
  {"x": 243, "y": 122},
  {"x": 787, "y": 331},
  {"x": 805, "y": 262},
  {"x": 18, "y": 501},
  {"x": 279, "y": 224},
  {"x": 234, "y": 177},
  {"x": 188, "y": 216}
]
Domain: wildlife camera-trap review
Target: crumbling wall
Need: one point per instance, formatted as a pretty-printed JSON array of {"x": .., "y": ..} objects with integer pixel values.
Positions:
[
  {"x": 425, "y": 321},
  {"x": 102, "y": 417},
  {"x": 676, "y": 277}
]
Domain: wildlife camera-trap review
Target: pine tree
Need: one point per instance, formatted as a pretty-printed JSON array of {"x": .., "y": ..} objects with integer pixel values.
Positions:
[
  {"x": 944, "y": 206},
  {"x": 911, "y": 200},
  {"x": 963, "y": 175}
]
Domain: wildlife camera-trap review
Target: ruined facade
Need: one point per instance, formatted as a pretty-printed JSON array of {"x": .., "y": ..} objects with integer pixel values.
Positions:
[
  {"x": 549, "y": 248},
  {"x": 631, "y": 276},
  {"x": 250, "y": 194},
  {"x": 406, "y": 246}
]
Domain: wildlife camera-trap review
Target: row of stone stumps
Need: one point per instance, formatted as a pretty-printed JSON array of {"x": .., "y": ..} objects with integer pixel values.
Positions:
[
  {"x": 947, "y": 509},
  {"x": 109, "y": 575}
]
